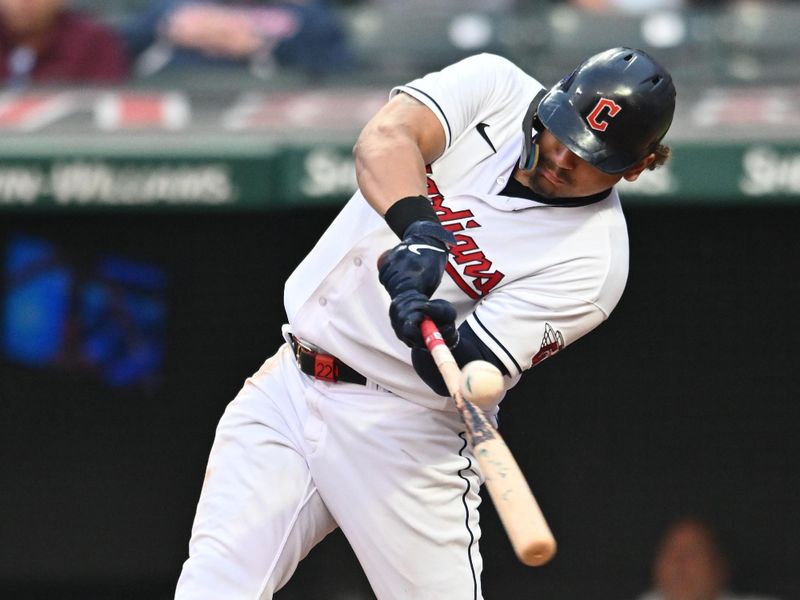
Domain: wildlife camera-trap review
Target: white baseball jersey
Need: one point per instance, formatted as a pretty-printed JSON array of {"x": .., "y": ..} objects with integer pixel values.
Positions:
[
  {"x": 295, "y": 457},
  {"x": 528, "y": 277}
]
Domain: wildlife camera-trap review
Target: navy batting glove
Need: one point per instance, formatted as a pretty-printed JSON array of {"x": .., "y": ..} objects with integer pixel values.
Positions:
[
  {"x": 418, "y": 262},
  {"x": 409, "y": 308}
]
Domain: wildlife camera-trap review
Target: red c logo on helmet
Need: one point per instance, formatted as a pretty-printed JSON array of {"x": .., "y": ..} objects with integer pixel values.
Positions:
[{"x": 593, "y": 118}]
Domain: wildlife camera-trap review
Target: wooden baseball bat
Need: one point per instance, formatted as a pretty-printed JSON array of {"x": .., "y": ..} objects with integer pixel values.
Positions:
[{"x": 519, "y": 512}]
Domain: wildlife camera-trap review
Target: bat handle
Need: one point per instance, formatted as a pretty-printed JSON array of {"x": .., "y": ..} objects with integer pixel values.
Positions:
[
  {"x": 430, "y": 333},
  {"x": 441, "y": 356}
]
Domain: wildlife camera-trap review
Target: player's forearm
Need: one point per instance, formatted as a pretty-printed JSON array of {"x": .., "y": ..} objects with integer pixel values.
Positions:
[{"x": 389, "y": 166}]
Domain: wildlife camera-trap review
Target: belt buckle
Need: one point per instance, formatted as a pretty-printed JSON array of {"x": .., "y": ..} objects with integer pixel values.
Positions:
[
  {"x": 303, "y": 347},
  {"x": 325, "y": 367}
]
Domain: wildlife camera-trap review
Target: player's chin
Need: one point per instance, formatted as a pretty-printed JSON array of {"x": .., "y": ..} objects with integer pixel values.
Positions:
[{"x": 545, "y": 188}]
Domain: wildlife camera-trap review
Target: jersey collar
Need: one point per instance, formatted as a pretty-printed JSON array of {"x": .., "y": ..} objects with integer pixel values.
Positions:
[{"x": 515, "y": 189}]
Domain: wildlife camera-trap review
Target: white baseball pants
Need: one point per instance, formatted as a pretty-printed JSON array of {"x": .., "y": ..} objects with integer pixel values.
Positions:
[{"x": 295, "y": 457}]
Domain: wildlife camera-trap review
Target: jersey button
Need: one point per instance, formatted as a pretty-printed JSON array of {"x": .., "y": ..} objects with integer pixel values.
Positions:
[
  {"x": 357, "y": 261},
  {"x": 323, "y": 301},
  {"x": 501, "y": 180}
]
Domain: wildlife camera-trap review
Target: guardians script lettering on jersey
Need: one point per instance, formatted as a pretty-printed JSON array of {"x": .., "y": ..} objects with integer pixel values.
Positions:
[{"x": 468, "y": 265}]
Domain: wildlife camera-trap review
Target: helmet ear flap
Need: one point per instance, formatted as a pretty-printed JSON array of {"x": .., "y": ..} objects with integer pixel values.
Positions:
[
  {"x": 533, "y": 156},
  {"x": 531, "y": 126}
]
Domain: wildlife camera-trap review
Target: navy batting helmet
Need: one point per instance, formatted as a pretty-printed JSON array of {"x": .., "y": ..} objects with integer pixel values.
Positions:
[{"x": 612, "y": 110}]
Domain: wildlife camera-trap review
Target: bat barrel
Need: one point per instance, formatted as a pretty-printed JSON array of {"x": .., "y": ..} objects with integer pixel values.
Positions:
[
  {"x": 537, "y": 553},
  {"x": 523, "y": 520}
]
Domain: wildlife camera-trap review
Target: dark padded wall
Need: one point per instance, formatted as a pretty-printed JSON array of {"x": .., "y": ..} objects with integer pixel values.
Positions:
[{"x": 684, "y": 401}]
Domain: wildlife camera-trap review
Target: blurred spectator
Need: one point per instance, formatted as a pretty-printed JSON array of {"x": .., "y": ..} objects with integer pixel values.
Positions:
[
  {"x": 643, "y": 7},
  {"x": 260, "y": 34},
  {"x": 627, "y": 6},
  {"x": 486, "y": 6},
  {"x": 690, "y": 565},
  {"x": 43, "y": 41}
]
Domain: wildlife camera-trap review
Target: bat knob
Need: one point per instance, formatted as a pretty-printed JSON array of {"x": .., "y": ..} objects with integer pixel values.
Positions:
[{"x": 382, "y": 257}]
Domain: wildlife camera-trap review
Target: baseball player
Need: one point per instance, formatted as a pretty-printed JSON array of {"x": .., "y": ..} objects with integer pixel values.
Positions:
[{"x": 496, "y": 199}]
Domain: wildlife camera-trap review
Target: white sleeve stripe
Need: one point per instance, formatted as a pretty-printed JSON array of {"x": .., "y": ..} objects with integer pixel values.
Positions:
[
  {"x": 474, "y": 316},
  {"x": 441, "y": 112}
]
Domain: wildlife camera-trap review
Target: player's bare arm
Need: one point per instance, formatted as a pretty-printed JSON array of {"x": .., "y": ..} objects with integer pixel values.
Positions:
[
  {"x": 390, "y": 158},
  {"x": 393, "y": 149}
]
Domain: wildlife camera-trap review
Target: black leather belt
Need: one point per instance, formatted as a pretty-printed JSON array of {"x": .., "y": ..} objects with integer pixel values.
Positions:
[{"x": 323, "y": 366}]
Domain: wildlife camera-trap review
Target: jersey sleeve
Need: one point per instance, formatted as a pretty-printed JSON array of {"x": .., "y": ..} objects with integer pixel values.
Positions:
[
  {"x": 523, "y": 325},
  {"x": 459, "y": 93}
]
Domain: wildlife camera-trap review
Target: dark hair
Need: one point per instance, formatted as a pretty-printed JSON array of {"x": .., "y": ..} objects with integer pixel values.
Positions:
[{"x": 662, "y": 153}]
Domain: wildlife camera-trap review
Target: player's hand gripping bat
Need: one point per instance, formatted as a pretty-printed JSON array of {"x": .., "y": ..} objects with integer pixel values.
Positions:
[{"x": 519, "y": 512}]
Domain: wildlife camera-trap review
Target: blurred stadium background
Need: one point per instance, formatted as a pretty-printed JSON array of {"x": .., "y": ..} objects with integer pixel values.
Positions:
[{"x": 146, "y": 230}]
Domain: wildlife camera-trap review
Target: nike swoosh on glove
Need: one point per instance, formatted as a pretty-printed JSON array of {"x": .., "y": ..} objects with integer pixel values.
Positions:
[
  {"x": 408, "y": 309},
  {"x": 418, "y": 262}
]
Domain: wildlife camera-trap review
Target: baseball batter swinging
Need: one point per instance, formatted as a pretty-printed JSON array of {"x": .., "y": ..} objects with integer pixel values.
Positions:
[{"x": 497, "y": 200}]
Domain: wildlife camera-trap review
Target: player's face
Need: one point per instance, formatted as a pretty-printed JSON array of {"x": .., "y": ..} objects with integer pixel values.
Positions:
[
  {"x": 26, "y": 17},
  {"x": 687, "y": 565},
  {"x": 562, "y": 174}
]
